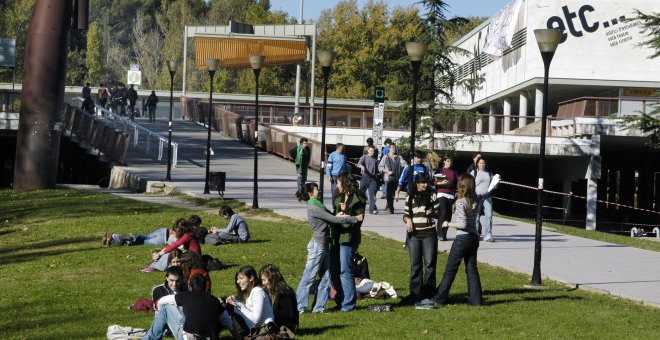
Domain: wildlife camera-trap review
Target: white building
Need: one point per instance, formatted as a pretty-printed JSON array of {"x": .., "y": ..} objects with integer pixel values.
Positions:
[{"x": 599, "y": 73}]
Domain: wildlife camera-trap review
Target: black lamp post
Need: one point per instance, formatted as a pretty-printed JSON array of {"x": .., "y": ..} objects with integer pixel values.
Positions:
[
  {"x": 171, "y": 66},
  {"x": 212, "y": 65},
  {"x": 257, "y": 62},
  {"x": 548, "y": 40},
  {"x": 326, "y": 58},
  {"x": 416, "y": 52}
]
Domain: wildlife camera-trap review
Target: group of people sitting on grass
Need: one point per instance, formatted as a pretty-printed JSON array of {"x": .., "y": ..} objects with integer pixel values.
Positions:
[{"x": 263, "y": 305}]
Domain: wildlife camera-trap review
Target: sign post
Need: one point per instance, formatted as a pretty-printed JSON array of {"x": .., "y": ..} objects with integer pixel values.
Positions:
[
  {"x": 379, "y": 110},
  {"x": 134, "y": 75}
]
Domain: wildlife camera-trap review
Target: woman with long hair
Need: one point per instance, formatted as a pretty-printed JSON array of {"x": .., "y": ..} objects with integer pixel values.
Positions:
[
  {"x": 422, "y": 239},
  {"x": 349, "y": 201},
  {"x": 318, "y": 258},
  {"x": 187, "y": 236},
  {"x": 281, "y": 296},
  {"x": 251, "y": 305},
  {"x": 464, "y": 248}
]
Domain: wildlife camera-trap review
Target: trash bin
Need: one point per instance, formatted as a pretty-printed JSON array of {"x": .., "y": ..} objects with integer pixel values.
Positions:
[{"x": 217, "y": 182}]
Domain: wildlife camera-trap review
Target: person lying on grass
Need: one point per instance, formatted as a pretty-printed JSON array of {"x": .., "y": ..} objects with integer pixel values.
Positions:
[{"x": 158, "y": 237}]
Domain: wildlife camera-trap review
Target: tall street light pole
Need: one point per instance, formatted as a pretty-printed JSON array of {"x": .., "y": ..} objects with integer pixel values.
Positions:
[
  {"x": 171, "y": 67},
  {"x": 416, "y": 52},
  {"x": 326, "y": 58},
  {"x": 257, "y": 62},
  {"x": 548, "y": 40},
  {"x": 212, "y": 65}
]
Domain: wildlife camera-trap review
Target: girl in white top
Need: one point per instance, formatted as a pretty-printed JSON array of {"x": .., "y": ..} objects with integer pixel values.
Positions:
[{"x": 252, "y": 307}]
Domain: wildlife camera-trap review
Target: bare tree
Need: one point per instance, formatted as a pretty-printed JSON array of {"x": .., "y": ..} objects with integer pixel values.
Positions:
[{"x": 147, "y": 48}]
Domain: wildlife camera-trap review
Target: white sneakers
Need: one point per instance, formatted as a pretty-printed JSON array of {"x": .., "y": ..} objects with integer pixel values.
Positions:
[{"x": 489, "y": 238}]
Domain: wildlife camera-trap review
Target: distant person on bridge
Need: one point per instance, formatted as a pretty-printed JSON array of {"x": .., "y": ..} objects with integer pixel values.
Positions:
[
  {"x": 117, "y": 99},
  {"x": 132, "y": 97},
  {"x": 301, "y": 155},
  {"x": 151, "y": 106},
  {"x": 102, "y": 96},
  {"x": 87, "y": 91},
  {"x": 337, "y": 165},
  {"x": 391, "y": 165},
  {"x": 482, "y": 179}
]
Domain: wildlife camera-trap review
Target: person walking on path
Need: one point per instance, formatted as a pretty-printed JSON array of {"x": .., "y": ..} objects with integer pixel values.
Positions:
[
  {"x": 337, "y": 166},
  {"x": 132, "y": 97},
  {"x": 445, "y": 185},
  {"x": 464, "y": 248},
  {"x": 391, "y": 166},
  {"x": 346, "y": 239},
  {"x": 422, "y": 240},
  {"x": 301, "y": 156},
  {"x": 318, "y": 257},
  {"x": 151, "y": 106},
  {"x": 368, "y": 164},
  {"x": 482, "y": 179}
]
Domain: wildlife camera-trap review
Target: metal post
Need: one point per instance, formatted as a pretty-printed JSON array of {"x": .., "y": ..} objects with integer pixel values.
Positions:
[
  {"x": 326, "y": 74},
  {"x": 169, "y": 129},
  {"x": 208, "y": 138},
  {"x": 413, "y": 127},
  {"x": 255, "y": 194}
]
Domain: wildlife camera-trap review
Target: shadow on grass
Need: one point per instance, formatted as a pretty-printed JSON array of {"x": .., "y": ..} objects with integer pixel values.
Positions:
[
  {"x": 317, "y": 330},
  {"x": 48, "y": 244},
  {"x": 14, "y": 259},
  {"x": 7, "y": 232},
  {"x": 532, "y": 299}
]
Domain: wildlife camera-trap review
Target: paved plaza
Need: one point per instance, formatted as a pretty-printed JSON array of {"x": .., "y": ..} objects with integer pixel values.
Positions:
[{"x": 621, "y": 271}]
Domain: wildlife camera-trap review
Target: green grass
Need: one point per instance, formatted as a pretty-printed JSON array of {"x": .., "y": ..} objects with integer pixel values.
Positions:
[
  {"x": 58, "y": 282},
  {"x": 623, "y": 240}
]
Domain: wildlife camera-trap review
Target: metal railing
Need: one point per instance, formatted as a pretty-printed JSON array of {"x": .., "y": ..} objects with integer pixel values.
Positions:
[{"x": 143, "y": 138}]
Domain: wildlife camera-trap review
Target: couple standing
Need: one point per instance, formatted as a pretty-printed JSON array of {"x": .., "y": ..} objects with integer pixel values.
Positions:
[{"x": 336, "y": 236}]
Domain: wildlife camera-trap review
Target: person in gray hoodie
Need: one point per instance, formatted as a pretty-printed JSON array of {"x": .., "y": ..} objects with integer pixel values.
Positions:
[
  {"x": 318, "y": 259},
  {"x": 368, "y": 163}
]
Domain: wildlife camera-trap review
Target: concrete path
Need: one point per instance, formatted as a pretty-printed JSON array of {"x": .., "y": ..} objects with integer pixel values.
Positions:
[{"x": 621, "y": 271}]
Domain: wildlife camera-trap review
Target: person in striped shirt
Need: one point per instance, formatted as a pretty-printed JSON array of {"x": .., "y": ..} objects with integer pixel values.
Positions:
[{"x": 422, "y": 240}]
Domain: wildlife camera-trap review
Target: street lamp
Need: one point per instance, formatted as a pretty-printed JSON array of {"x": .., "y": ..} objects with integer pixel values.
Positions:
[
  {"x": 416, "y": 52},
  {"x": 171, "y": 66},
  {"x": 212, "y": 65},
  {"x": 257, "y": 62},
  {"x": 548, "y": 40},
  {"x": 326, "y": 58}
]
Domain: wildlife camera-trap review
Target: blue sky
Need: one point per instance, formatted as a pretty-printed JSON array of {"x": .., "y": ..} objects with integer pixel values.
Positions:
[{"x": 312, "y": 8}]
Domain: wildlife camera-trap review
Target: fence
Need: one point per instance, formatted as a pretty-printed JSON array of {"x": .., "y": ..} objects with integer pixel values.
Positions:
[
  {"x": 146, "y": 141},
  {"x": 96, "y": 132}
]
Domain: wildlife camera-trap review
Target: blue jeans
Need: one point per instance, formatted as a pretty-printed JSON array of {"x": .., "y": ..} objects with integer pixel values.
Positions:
[
  {"x": 155, "y": 238},
  {"x": 464, "y": 248},
  {"x": 301, "y": 179},
  {"x": 318, "y": 262},
  {"x": 423, "y": 251},
  {"x": 344, "y": 278},
  {"x": 171, "y": 316},
  {"x": 368, "y": 186},
  {"x": 485, "y": 202}
]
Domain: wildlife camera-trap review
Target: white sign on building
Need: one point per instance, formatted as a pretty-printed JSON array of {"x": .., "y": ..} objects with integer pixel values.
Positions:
[{"x": 134, "y": 75}]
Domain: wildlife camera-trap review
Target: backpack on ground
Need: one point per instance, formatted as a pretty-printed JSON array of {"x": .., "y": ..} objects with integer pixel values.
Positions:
[{"x": 116, "y": 332}]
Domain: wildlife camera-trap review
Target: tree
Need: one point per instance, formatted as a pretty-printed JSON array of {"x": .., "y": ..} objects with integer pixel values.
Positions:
[
  {"x": 15, "y": 18},
  {"x": 94, "y": 58},
  {"x": 147, "y": 48},
  {"x": 649, "y": 122}
]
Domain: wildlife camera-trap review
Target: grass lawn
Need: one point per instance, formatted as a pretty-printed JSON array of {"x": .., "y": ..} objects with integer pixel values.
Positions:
[{"x": 58, "y": 282}]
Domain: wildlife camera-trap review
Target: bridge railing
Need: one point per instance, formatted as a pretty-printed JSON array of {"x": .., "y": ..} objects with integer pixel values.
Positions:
[{"x": 144, "y": 140}]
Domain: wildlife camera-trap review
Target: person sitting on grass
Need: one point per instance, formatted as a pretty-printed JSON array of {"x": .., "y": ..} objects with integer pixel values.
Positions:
[
  {"x": 158, "y": 237},
  {"x": 250, "y": 307},
  {"x": 201, "y": 314},
  {"x": 283, "y": 299},
  {"x": 186, "y": 237},
  {"x": 236, "y": 231},
  {"x": 172, "y": 285}
]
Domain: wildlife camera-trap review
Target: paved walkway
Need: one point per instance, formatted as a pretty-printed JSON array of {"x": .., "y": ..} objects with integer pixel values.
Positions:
[{"x": 622, "y": 271}]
